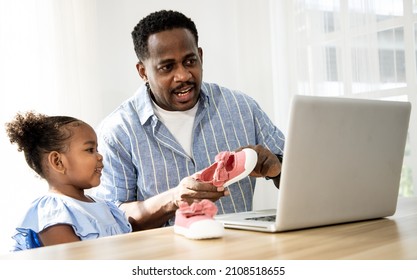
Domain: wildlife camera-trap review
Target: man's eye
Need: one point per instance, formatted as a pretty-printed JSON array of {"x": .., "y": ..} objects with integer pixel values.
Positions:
[
  {"x": 166, "y": 68},
  {"x": 191, "y": 62}
]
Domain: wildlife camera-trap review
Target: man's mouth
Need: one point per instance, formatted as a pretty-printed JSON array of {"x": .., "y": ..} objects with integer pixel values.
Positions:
[
  {"x": 98, "y": 170},
  {"x": 183, "y": 91}
]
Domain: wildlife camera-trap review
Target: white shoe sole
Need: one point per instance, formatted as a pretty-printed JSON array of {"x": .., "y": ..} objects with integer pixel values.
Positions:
[
  {"x": 204, "y": 229},
  {"x": 250, "y": 162}
]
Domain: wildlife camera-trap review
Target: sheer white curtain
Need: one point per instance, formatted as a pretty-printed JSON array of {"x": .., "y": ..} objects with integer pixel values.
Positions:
[
  {"x": 75, "y": 57},
  {"x": 349, "y": 47},
  {"x": 355, "y": 48},
  {"x": 47, "y": 64}
]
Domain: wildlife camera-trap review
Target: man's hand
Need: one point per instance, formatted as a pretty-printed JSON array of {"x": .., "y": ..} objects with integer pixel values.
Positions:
[
  {"x": 190, "y": 189},
  {"x": 268, "y": 164}
]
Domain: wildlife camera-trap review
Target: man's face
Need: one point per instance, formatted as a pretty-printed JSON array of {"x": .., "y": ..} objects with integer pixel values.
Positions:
[{"x": 173, "y": 69}]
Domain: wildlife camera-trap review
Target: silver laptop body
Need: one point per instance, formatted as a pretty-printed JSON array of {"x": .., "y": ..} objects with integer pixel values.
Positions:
[{"x": 342, "y": 163}]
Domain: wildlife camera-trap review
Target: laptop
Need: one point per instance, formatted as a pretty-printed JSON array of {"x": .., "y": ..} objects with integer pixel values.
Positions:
[{"x": 342, "y": 163}]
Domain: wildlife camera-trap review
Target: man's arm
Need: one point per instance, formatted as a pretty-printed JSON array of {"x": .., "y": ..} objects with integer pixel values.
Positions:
[
  {"x": 157, "y": 210},
  {"x": 276, "y": 179},
  {"x": 151, "y": 213}
]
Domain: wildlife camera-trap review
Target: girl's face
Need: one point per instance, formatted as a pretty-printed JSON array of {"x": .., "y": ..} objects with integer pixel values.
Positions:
[{"x": 83, "y": 163}]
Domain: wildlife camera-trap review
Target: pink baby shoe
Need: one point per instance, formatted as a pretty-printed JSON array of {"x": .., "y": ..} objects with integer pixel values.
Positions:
[
  {"x": 228, "y": 168},
  {"x": 196, "y": 221}
]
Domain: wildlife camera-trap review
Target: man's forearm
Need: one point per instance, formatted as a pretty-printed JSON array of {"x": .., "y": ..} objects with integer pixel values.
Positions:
[
  {"x": 277, "y": 179},
  {"x": 151, "y": 213}
]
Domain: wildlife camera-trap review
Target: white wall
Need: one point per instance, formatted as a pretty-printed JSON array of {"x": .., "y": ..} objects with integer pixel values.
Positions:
[{"x": 234, "y": 35}]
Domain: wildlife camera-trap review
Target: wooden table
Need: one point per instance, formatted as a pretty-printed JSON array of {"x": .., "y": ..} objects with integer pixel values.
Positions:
[{"x": 392, "y": 238}]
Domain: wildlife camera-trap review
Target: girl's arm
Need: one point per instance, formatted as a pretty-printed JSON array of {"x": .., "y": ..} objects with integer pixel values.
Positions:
[{"x": 58, "y": 234}]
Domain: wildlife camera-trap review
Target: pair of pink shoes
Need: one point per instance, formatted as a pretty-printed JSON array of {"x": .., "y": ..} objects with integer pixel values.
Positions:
[{"x": 196, "y": 221}]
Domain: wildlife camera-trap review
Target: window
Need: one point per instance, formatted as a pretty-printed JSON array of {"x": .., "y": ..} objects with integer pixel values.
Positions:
[{"x": 358, "y": 48}]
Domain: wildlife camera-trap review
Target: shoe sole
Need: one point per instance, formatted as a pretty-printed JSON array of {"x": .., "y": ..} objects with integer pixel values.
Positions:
[
  {"x": 207, "y": 229},
  {"x": 251, "y": 159}
]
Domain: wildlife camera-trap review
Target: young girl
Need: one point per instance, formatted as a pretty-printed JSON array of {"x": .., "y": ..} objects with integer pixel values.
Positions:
[{"x": 63, "y": 151}]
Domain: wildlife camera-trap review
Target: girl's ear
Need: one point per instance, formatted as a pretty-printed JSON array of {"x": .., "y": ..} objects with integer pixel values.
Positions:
[{"x": 54, "y": 160}]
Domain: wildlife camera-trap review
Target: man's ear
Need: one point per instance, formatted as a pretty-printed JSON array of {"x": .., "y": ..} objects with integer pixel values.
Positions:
[
  {"x": 200, "y": 53},
  {"x": 55, "y": 162},
  {"x": 142, "y": 71}
]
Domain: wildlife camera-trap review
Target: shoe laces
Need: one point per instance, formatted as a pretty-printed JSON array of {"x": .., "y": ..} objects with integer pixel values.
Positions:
[
  {"x": 221, "y": 175},
  {"x": 203, "y": 207}
]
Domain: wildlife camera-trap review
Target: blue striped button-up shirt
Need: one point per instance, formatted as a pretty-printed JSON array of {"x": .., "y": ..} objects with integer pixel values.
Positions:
[{"x": 143, "y": 159}]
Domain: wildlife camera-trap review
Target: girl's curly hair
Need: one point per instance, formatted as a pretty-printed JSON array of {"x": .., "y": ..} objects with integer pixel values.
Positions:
[{"x": 37, "y": 134}]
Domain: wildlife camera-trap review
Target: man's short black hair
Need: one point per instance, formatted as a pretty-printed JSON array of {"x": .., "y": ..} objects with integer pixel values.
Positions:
[{"x": 157, "y": 22}]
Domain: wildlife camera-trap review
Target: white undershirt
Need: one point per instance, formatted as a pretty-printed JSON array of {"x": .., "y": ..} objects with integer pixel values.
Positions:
[{"x": 179, "y": 123}]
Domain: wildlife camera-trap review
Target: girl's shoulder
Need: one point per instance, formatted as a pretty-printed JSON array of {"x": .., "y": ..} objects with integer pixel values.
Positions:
[
  {"x": 49, "y": 207},
  {"x": 52, "y": 204}
]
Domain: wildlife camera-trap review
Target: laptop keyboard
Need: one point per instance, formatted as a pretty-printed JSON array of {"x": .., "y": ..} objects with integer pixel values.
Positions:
[{"x": 270, "y": 218}]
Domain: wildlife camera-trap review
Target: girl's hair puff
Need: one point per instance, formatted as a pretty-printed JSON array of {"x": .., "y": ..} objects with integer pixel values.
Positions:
[{"x": 38, "y": 134}]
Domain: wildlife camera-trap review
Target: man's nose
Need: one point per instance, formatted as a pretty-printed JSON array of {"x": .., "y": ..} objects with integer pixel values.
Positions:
[{"x": 182, "y": 74}]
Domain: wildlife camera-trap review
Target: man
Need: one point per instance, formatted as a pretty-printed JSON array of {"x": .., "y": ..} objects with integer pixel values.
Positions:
[{"x": 175, "y": 125}]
